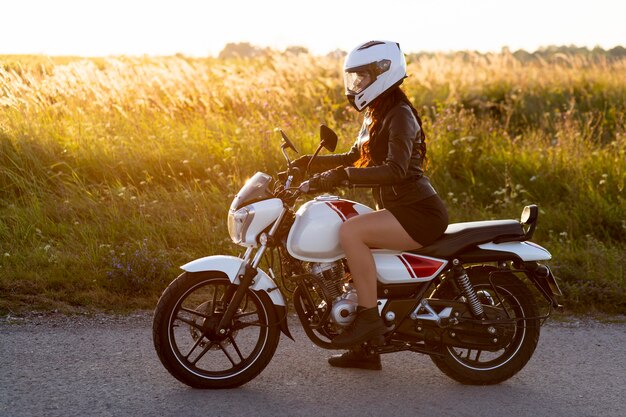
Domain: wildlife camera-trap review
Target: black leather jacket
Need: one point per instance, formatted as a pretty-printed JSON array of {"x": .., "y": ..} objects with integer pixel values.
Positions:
[{"x": 397, "y": 175}]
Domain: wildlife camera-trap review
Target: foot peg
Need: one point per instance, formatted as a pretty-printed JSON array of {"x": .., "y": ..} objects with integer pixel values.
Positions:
[{"x": 377, "y": 341}]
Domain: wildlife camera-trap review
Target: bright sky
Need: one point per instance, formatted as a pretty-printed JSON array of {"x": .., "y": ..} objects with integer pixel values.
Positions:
[{"x": 203, "y": 27}]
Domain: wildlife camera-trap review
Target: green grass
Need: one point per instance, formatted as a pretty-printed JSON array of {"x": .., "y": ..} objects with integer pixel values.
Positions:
[{"x": 115, "y": 171}]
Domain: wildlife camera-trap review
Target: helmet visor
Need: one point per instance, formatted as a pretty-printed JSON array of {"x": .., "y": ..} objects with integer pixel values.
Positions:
[{"x": 357, "y": 81}]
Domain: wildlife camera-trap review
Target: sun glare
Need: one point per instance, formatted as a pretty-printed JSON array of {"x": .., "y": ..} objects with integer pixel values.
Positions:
[{"x": 200, "y": 28}]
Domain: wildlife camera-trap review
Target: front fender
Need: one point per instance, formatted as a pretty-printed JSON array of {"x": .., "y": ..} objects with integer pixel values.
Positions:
[{"x": 233, "y": 267}]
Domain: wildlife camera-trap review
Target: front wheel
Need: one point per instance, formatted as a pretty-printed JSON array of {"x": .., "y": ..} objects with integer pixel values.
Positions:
[
  {"x": 187, "y": 343},
  {"x": 481, "y": 367}
]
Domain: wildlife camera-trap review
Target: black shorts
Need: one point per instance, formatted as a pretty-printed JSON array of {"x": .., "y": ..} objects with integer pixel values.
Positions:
[{"x": 425, "y": 221}]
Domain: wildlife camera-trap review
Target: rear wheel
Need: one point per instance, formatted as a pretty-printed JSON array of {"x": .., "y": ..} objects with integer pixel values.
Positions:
[
  {"x": 188, "y": 344},
  {"x": 482, "y": 367}
]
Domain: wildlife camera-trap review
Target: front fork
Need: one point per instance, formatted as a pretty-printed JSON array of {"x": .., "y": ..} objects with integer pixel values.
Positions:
[{"x": 234, "y": 294}]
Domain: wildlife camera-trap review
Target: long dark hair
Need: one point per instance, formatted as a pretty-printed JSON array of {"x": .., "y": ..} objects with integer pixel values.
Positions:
[{"x": 377, "y": 111}]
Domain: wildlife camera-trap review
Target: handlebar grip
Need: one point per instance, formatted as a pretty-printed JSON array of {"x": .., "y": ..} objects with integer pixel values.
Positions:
[{"x": 305, "y": 187}]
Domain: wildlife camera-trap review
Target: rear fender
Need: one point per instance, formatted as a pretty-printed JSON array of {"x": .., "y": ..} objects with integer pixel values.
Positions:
[
  {"x": 544, "y": 280},
  {"x": 232, "y": 267},
  {"x": 526, "y": 251},
  {"x": 539, "y": 275}
]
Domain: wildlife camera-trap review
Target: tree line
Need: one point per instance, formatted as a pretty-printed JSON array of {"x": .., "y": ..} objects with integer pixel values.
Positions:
[{"x": 247, "y": 50}]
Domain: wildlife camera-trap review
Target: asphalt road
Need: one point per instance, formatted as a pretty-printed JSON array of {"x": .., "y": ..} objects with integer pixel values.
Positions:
[{"x": 106, "y": 366}]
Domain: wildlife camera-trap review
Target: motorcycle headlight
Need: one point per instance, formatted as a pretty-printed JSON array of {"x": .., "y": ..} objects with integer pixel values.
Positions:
[{"x": 238, "y": 223}]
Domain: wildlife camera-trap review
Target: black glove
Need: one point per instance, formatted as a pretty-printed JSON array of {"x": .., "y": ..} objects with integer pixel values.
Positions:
[
  {"x": 329, "y": 180},
  {"x": 301, "y": 163}
]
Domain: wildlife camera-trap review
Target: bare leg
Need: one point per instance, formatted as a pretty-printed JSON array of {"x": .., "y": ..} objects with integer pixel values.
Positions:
[{"x": 379, "y": 229}]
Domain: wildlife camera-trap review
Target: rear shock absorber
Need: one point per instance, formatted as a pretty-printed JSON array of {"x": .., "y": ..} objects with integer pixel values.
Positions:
[{"x": 468, "y": 290}]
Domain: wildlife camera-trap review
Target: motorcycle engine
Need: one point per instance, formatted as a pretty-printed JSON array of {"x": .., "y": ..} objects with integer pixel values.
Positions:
[{"x": 339, "y": 295}]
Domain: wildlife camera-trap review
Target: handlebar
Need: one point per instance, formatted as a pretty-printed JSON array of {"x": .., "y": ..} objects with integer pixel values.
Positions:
[
  {"x": 304, "y": 187},
  {"x": 292, "y": 172}
]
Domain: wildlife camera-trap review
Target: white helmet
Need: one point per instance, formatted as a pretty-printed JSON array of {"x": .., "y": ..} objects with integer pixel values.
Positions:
[{"x": 371, "y": 69}]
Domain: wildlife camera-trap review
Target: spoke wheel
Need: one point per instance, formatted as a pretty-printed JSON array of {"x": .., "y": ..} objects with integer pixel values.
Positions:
[
  {"x": 483, "y": 367},
  {"x": 187, "y": 340}
]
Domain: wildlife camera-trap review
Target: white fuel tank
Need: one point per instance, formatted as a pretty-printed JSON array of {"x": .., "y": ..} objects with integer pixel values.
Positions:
[{"x": 314, "y": 236}]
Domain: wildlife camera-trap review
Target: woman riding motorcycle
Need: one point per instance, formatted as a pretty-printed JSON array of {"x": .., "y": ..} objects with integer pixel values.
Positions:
[{"x": 388, "y": 155}]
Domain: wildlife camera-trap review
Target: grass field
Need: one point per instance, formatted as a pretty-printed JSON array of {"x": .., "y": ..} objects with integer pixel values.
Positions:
[{"x": 114, "y": 171}]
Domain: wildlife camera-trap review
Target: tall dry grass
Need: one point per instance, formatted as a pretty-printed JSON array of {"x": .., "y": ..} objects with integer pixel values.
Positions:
[{"x": 115, "y": 171}]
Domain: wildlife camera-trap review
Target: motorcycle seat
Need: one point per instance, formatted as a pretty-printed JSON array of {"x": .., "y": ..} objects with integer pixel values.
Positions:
[{"x": 461, "y": 236}]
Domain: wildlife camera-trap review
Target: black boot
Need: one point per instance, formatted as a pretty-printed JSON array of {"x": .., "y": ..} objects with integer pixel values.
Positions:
[
  {"x": 367, "y": 325},
  {"x": 356, "y": 359}
]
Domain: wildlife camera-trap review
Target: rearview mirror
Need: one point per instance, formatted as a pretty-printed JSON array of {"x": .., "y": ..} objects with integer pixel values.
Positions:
[
  {"x": 328, "y": 138},
  {"x": 287, "y": 142}
]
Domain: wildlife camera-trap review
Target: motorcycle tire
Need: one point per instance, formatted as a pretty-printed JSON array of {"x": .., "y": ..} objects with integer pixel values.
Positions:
[
  {"x": 518, "y": 300},
  {"x": 190, "y": 348}
]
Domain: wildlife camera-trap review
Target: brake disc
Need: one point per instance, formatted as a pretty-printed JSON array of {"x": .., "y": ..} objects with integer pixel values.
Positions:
[{"x": 206, "y": 308}]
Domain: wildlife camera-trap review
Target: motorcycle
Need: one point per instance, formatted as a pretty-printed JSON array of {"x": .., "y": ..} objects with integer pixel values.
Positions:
[{"x": 461, "y": 300}]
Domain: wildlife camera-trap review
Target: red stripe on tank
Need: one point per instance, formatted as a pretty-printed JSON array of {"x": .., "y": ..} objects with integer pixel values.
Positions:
[
  {"x": 345, "y": 207},
  {"x": 336, "y": 210}
]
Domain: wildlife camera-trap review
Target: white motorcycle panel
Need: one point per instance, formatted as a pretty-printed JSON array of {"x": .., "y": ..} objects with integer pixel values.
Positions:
[
  {"x": 527, "y": 251},
  {"x": 405, "y": 268},
  {"x": 231, "y": 266},
  {"x": 314, "y": 236},
  {"x": 265, "y": 213}
]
